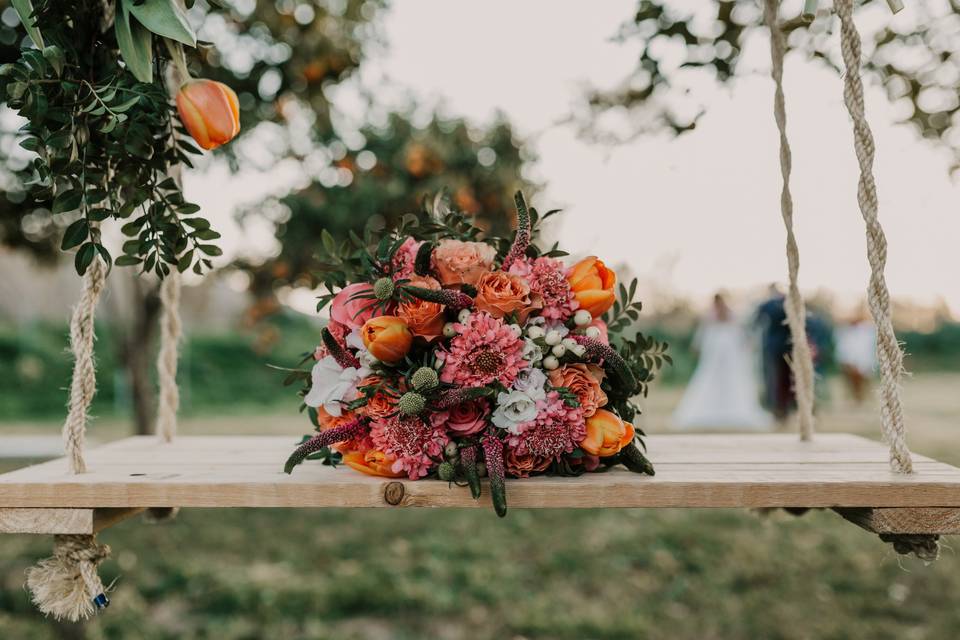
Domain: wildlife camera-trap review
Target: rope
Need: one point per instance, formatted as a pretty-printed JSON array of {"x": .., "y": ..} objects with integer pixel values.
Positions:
[
  {"x": 801, "y": 360},
  {"x": 170, "y": 331},
  {"x": 83, "y": 384},
  {"x": 889, "y": 355},
  {"x": 66, "y": 585}
]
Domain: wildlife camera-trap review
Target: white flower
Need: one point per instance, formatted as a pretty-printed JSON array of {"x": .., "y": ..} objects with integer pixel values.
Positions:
[
  {"x": 513, "y": 409},
  {"x": 532, "y": 352},
  {"x": 331, "y": 384},
  {"x": 531, "y": 382}
]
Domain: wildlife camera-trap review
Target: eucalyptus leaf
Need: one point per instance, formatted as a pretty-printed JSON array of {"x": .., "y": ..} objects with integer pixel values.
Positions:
[
  {"x": 163, "y": 17},
  {"x": 135, "y": 43},
  {"x": 25, "y": 10}
]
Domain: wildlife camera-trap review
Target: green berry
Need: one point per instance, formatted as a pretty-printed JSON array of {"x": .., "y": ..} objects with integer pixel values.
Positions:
[
  {"x": 383, "y": 289},
  {"x": 445, "y": 471},
  {"x": 424, "y": 379},
  {"x": 411, "y": 403}
]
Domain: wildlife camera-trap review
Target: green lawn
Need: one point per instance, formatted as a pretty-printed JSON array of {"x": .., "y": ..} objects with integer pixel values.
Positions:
[{"x": 415, "y": 574}]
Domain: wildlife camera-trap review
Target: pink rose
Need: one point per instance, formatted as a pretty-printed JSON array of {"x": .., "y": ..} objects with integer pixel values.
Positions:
[
  {"x": 460, "y": 262},
  {"x": 353, "y": 313},
  {"x": 468, "y": 418}
]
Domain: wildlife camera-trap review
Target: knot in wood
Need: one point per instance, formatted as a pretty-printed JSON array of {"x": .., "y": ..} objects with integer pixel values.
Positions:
[{"x": 393, "y": 493}]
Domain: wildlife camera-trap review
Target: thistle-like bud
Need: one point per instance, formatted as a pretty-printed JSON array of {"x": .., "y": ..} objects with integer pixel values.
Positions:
[
  {"x": 445, "y": 471},
  {"x": 522, "y": 238},
  {"x": 383, "y": 288},
  {"x": 450, "y": 298},
  {"x": 424, "y": 379},
  {"x": 633, "y": 459},
  {"x": 323, "y": 439},
  {"x": 613, "y": 362},
  {"x": 411, "y": 403},
  {"x": 453, "y": 397},
  {"x": 468, "y": 461}
]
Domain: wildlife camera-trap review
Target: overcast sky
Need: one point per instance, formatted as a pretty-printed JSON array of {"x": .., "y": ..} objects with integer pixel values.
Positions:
[{"x": 700, "y": 212}]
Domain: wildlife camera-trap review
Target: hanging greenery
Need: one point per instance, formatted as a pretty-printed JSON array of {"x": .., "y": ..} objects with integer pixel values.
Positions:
[{"x": 101, "y": 121}]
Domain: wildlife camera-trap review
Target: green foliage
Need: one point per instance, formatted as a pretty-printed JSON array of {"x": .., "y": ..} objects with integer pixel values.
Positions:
[{"x": 105, "y": 144}]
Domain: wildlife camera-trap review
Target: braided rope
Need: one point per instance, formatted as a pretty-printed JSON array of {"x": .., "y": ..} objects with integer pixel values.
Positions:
[
  {"x": 889, "y": 355},
  {"x": 83, "y": 384},
  {"x": 170, "y": 332},
  {"x": 801, "y": 360}
]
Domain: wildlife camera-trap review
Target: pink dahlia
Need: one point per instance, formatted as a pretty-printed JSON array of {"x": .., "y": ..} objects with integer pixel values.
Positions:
[
  {"x": 556, "y": 430},
  {"x": 416, "y": 443},
  {"x": 548, "y": 280},
  {"x": 404, "y": 259},
  {"x": 485, "y": 349}
]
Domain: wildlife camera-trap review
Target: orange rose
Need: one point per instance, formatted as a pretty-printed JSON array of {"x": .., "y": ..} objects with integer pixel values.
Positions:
[
  {"x": 592, "y": 285},
  {"x": 500, "y": 294},
  {"x": 584, "y": 381},
  {"x": 371, "y": 462},
  {"x": 210, "y": 112},
  {"x": 327, "y": 421},
  {"x": 387, "y": 337},
  {"x": 606, "y": 434},
  {"x": 522, "y": 466},
  {"x": 379, "y": 405},
  {"x": 424, "y": 318},
  {"x": 459, "y": 262}
]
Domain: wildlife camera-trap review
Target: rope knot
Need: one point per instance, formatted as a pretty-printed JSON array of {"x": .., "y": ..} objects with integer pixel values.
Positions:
[{"x": 66, "y": 585}]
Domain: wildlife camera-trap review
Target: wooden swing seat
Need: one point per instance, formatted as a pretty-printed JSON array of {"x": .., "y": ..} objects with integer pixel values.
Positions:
[{"x": 835, "y": 470}]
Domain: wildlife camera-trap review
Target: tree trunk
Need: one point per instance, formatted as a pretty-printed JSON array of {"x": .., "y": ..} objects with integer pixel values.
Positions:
[{"x": 137, "y": 354}]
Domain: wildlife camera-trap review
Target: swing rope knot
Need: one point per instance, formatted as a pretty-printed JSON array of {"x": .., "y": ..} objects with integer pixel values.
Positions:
[{"x": 66, "y": 585}]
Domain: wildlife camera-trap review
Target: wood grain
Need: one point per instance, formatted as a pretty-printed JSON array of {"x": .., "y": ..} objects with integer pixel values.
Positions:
[
  {"x": 61, "y": 521},
  {"x": 915, "y": 520},
  {"x": 768, "y": 470}
]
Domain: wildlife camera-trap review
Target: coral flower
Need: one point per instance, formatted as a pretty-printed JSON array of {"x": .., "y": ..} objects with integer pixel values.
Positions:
[
  {"x": 387, "y": 338},
  {"x": 485, "y": 349},
  {"x": 607, "y": 434},
  {"x": 414, "y": 442},
  {"x": 210, "y": 112},
  {"x": 584, "y": 381},
  {"x": 372, "y": 462},
  {"x": 592, "y": 285},
  {"x": 557, "y": 429},
  {"x": 381, "y": 404},
  {"x": 501, "y": 294},
  {"x": 459, "y": 262},
  {"x": 424, "y": 318},
  {"x": 548, "y": 282}
]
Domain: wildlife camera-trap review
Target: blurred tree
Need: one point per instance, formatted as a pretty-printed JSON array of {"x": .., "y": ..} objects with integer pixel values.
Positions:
[{"x": 686, "y": 46}]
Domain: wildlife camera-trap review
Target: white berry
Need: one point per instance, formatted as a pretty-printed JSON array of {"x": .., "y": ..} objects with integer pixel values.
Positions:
[
  {"x": 553, "y": 337},
  {"x": 464, "y": 315},
  {"x": 517, "y": 331},
  {"x": 569, "y": 343},
  {"x": 550, "y": 363},
  {"x": 582, "y": 318},
  {"x": 535, "y": 331},
  {"x": 578, "y": 350},
  {"x": 592, "y": 332},
  {"x": 558, "y": 350},
  {"x": 449, "y": 330}
]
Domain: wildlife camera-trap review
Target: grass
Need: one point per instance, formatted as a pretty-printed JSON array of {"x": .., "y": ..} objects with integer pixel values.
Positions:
[{"x": 464, "y": 574}]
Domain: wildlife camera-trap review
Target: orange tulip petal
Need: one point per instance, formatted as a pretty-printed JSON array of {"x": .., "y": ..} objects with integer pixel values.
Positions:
[{"x": 596, "y": 301}]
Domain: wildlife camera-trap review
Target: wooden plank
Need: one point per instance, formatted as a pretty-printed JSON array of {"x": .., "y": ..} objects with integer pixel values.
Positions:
[
  {"x": 767, "y": 470},
  {"x": 914, "y": 521},
  {"x": 61, "y": 521}
]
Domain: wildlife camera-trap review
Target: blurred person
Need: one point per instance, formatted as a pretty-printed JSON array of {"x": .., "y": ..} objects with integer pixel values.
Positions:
[
  {"x": 723, "y": 390},
  {"x": 857, "y": 354}
]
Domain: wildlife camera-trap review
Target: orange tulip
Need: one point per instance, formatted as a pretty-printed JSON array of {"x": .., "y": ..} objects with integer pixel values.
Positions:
[
  {"x": 592, "y": 285},
  {"x": 371, "y": 462},
  {"x": 388, "y": 338},
  {"x": 606, "y": 434},
  {"x": 210, "y": 112}
]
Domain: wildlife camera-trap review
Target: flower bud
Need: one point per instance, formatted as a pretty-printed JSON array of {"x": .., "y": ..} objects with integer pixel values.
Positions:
[
  {"x": 411, "y": 403},
  {"x": 383, "y": 288},
  {"x": 387, "y": 337},
  {"x": 210, "y": 112},
  {"x": 550, "y": 363},
  {"x": 424, "y": 379},
  {"x": 445, "y": 471}
]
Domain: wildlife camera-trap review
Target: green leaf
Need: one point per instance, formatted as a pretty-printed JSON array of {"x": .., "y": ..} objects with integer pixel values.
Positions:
[
  {"x": 210, "y": 249},
  {"x": 127, "y": 261},
  {"x": 163, "y": 17},
  {"x": 75, "y": 234},
  {"x": 25, "y": 10},
  {"x": 67, "y": 201},
  {"x": 54, "y": 56},
  {"x": 85, "y": 257},
  {"x": 135, "y": 43}
]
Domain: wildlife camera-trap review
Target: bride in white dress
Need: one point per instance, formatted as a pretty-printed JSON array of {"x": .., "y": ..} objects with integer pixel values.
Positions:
[{"x": 723, "y": 392}]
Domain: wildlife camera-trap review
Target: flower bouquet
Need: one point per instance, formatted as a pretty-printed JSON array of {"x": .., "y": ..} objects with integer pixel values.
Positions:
[{"x": 454, "y": 355}]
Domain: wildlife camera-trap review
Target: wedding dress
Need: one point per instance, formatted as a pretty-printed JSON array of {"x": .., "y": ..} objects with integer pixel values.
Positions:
[{"x": 723, "y": 392}]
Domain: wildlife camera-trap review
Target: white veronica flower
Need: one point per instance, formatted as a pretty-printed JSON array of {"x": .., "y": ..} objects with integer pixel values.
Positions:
[
  {"x": 331, "y": 385},
  {"x": 513, "y": 409}
]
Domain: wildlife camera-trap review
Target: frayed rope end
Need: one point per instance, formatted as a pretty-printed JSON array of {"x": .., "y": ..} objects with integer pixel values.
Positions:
[{"x": 66, "y": 585}]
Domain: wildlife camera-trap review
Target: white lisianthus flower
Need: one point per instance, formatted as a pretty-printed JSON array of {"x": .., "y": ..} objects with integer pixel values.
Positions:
[
  {"x": 513, "y": 409},
  {"x": 331, "y": 385},
  {"x": 531, "y": 382},
  {"x": 532, "y": 352}
]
